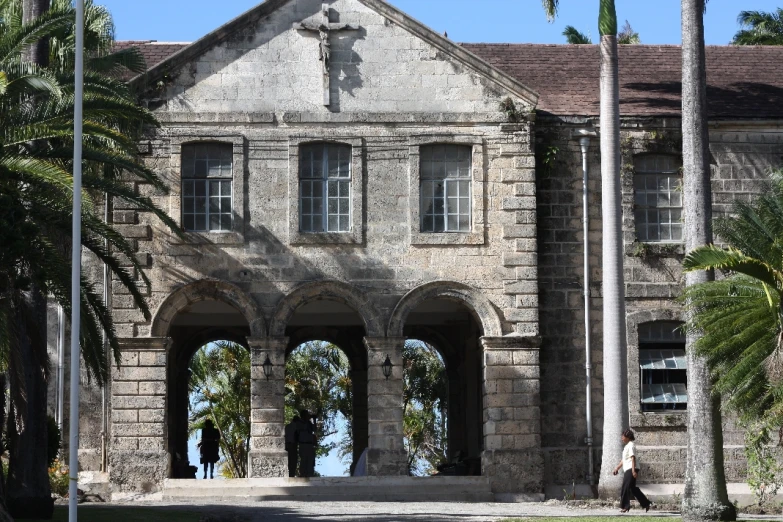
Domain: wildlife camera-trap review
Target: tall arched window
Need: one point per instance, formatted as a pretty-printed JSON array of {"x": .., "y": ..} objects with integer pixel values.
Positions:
[
  {"x": 662, "y": 366},
  {"x": 658, "y": 198},
  {"x": 325, "y": 188},
  {"x": 207, "y": 176}
]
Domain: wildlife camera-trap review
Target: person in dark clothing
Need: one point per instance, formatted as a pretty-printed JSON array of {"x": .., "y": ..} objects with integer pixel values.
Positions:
[
  {"x": 209, "y": 447},
  {"x": 306, "y": 441},
  {"x": 290, "y": 444},
  {"x": 629, "y": 464}
]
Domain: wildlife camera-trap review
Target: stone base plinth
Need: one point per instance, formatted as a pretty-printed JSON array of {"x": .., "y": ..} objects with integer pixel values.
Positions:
[
  {"x": 138, "y": 471},
  {"x": 515, "y": 473},
  {"x": 268, "y": 464},
  {"x": 386, "y": 462}
]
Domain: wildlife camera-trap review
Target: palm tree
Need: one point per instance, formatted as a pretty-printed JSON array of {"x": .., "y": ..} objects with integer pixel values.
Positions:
[
  {"x": 573, "y": 36},
  {"x": 759, "y": 28},
  {"x": 627, "y": 36},
  {"x": 219, "y": 388},
  {"x": 36, "y": 142},
  {"x": 705, "y": 496},
  {"x": 739, "y": 318},
  {"x": 615, "y": 361}
]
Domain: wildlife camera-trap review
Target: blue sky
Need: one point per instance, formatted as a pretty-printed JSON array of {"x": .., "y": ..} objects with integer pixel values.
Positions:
[{"x": 512, "y": 21}]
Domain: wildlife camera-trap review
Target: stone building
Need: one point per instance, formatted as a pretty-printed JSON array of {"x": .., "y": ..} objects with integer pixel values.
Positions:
[{"x": 343, "y": 173}]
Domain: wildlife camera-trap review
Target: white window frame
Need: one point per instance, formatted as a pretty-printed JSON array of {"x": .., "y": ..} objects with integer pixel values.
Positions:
[
  {"x": 224, "y": 182},
  {"x": 355, "y": 234},
  {"x": 475, "y": 235},
  {"x": 429, "y": 195},
  {"x": 659, "y": 185},
  {"x": 327, "y": 185},
  {"x": 216, "y": 136}
]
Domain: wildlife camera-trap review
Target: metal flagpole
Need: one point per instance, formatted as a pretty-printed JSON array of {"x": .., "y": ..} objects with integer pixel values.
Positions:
[{"x": 76, "y": 265}]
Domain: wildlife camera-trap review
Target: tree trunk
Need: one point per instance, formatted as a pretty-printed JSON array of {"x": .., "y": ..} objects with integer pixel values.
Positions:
[
  {"x": 39, "y": 51},
  {"x": 29, "y": 492},
  {"x": 705, "y": 496},
  {"x": 615, "y": 357}
]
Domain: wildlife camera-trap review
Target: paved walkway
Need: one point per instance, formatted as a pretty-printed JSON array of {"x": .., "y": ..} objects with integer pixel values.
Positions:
[{"x": 239, "y": 511}]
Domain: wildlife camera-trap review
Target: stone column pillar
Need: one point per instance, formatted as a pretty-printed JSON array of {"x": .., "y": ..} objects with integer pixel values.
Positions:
[
  {"x": 268, "y": 457},
  {"x": 138, "y": 458},
  {"x": 512, "y": 456},
  {"x": 386, "y": 454}
]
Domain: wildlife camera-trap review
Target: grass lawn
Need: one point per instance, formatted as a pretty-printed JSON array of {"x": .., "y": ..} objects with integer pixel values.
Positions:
[{"x": 95, "y": 513}]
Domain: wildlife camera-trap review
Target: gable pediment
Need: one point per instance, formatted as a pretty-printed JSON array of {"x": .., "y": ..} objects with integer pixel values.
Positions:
[{"x": 374, "y": 59}]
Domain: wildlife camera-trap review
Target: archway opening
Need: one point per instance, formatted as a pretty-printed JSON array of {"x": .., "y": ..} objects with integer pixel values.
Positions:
[
  {"x": 318, "y": 381},
  {"x": 451, "y": 329},
  {"x": 219, "y": 394},
  {"x": 331, "y": 335},
  {"x": 195, "y": 329},
  {"x": 425, "y": 408}
]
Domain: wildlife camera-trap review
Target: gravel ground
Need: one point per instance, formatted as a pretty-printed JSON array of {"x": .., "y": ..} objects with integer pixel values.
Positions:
[{"x": 239, "y": 511}]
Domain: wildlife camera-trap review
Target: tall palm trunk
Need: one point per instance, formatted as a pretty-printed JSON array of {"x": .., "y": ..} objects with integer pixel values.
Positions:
[
  {"x": 39, "y": 51},
  {"x": 705, "y": 496},
  {"x": 615, "y": 357},
  {"x": 29, "y": 494}
]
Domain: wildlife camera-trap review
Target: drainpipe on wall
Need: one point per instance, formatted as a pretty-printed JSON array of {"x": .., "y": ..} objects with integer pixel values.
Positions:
[
  {"x": 60, "y": 385},
  {"x": 584, "y": 135}
]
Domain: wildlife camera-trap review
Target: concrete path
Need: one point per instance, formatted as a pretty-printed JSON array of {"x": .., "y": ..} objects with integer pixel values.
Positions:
[{"x": 239, "y": 511}]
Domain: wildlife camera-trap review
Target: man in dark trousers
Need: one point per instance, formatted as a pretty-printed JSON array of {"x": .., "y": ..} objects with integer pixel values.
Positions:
[
  {"x": 290, "y": 444},
  {"x": 306, "y": 439}
]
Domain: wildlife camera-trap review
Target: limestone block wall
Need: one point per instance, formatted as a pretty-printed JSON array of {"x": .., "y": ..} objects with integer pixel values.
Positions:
[{"x": 740, "y": 157}]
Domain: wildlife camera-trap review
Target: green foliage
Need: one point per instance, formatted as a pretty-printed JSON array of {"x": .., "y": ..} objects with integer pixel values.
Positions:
[
  {"x": 425, "y": 407},
  {"x": 219, "y": 389},
  {"x": 739, "y": 316},
  {"x": 52, "y": 440},
  {"x": 317, "y": 379},
  {"x": 58, "y": 478},
  {"x": 607, "y": 18},
  {"x": 573, "y": 36},
  {"x": 759, "y": 28},
  {"x": 765, "y": 475},
  {"x": 627, "y": 36},
  {"x": 550, "y": 8}
]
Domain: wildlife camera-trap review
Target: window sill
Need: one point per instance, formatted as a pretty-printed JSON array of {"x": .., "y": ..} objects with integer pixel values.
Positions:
[
  {"x": 325, "y": 238},
  {"x": 660, "y": 419},
  {"x": 643, "y": 249},
  {"x": 209, "y": 238},
  {"x": 450, "y": 238}
]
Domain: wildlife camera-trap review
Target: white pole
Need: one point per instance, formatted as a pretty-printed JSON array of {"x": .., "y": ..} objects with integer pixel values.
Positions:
[
  {"x": 60, "y": 369},
  {"x": 584, "y": 143},
  {"x": 76, "y": 264}
]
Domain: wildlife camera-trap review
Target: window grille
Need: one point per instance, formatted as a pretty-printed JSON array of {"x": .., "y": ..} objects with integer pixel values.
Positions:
[
  {"x": 445, "y": 193},
  {"x": 658, "y": 199},
  {"x": 207, "y": 175},
  {"x": 662, "y": 366},
  {"x": 325, "y": 188}
]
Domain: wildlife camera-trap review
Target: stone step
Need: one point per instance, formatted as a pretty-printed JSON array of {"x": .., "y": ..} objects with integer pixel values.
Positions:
[{"x": 372, "y": 489}]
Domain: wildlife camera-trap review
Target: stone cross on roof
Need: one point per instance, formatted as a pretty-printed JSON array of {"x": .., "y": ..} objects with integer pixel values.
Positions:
[{"x": 324, "y": 28}]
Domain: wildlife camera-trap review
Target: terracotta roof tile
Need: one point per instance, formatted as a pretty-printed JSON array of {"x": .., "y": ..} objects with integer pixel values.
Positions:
[{"x": 743, "y": 82}]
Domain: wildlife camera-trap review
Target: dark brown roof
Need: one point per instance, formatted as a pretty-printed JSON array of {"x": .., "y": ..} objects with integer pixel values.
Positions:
[
  {"x": 153, "y": 51},
  {"x": 743, "y": 82}
]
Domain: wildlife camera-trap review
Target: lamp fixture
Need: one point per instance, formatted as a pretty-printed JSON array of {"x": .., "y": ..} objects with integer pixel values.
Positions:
[
  {"x": 267, "y": 367},
  {"x": 387, "y": 367}
]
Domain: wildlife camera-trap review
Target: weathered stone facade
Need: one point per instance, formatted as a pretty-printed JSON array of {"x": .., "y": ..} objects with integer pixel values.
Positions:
[{"x": 501, "y": 300}]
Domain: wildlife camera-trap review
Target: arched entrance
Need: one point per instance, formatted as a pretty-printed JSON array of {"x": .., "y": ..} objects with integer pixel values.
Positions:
[
  {"x": 452, "y": 318},
  {"x": 192, "y": 317}
]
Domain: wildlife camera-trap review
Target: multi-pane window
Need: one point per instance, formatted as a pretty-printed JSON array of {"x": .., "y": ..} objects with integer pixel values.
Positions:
[
  {"x": 325, "y": 188},
  {"x": 207, "y": 175},
  {"x": 658, "y": 198},
  {"x": 445, "y": 173},
  {"x": 662, "y": 366}
]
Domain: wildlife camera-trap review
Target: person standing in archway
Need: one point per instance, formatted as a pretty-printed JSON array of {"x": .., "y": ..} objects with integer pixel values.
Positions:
[
  {"x": 291, "y": 444},
  {"x": 306, "y": 442},
  {"x": 209, "y": 447}
]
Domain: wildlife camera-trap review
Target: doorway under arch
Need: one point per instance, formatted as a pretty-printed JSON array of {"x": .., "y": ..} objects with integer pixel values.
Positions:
[{"x": 193, "y": 327}]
